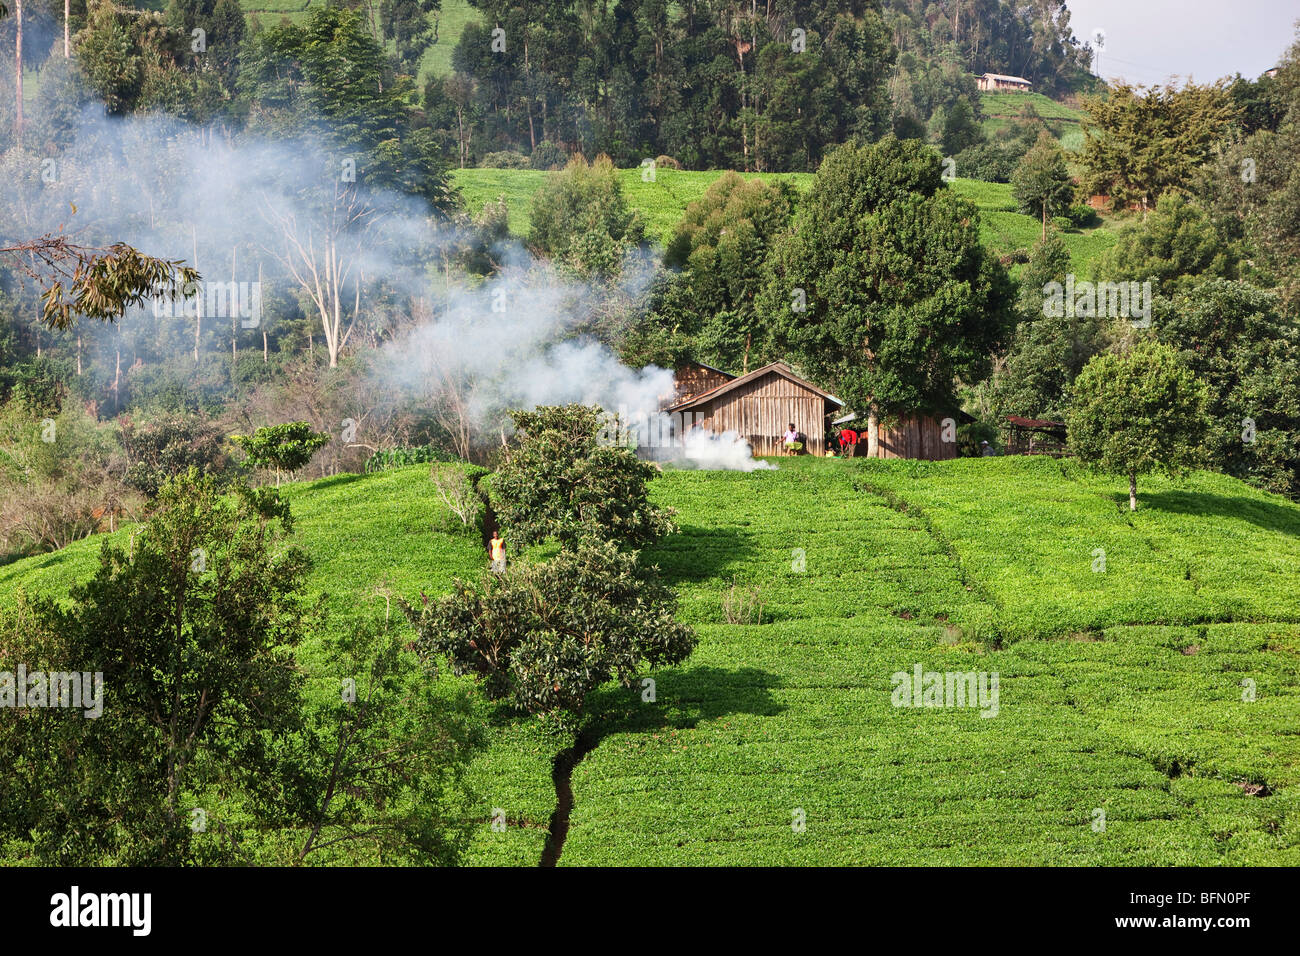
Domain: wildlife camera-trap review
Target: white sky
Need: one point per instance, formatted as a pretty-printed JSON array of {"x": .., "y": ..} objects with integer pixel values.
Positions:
[{"x": 1147, "y": 41}]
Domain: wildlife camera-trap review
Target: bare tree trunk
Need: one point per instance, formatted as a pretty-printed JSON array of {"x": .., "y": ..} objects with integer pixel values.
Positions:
[
  {"x": 67, "y": 10},
  {"x": 1132, "y": 492},
  {"x": 873, "y": 431},
  {"x": 198, "y": 304},
  {"x": 265, "y": 359},
  {"x": 234, "y": 312},
  {"x": 18, "y": 72}
]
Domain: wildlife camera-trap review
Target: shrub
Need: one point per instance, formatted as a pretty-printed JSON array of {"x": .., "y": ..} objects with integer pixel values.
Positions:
[
  {"x": 164, "y": 449},
  {"x": 560, "y": 481},
  {"x": 666, "y": 162},
  {"x": 456, "y": 490},
  {"x": 506, "y": 159},
  {"x": 548, "y": 155},
  {"x": 1083, "y": 216},
  {"x": 742, "y": 604},
  {"x": 408, "y": 455}
]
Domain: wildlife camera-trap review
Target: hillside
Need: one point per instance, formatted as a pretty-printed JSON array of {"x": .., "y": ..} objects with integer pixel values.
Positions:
[
  {"x": 663, "y": 202},
  {"x": 1120, "y": 691},
  {"x": 1000, "y": 109}
]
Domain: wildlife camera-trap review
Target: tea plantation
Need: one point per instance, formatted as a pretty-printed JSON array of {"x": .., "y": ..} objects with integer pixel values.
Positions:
[
  {"x": 663, "y": 202},
  {"x": 1148, "y": 707}
]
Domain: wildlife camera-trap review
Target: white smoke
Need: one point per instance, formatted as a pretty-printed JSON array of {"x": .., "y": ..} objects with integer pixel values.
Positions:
[
  {"x": 708, "y": 451},
  {"x": 525, "y": 336}
]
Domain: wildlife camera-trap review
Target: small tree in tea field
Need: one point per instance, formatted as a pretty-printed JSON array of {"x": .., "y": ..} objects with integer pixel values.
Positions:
[
  {"x": 562, "y": 481},
  {"x": 286, "y": 447},
  {"x": 545, "y": 635},
  {"x": 1135, "y": 413}
]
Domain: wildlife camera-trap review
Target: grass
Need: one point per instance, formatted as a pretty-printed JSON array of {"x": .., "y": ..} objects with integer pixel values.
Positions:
[
  {"x": 663, "y": 202},
  {"x": 1120, "y": 690},
  {"x": 1002, "y": 109}
]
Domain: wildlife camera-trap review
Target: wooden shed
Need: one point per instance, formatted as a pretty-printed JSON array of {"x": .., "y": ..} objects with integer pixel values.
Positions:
[
  {"x": 915, "y": 435},
  {"x": 1035, "y": 436},
  {"x": 759, "y": 406}
]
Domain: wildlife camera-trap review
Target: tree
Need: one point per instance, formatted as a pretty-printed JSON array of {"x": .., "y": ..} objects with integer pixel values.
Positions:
[
  {"x": 406, "y": 24},
  {"x": 720, "y": 246},
  {"x": 1138, "y": 412},
  {"x": 204, "y": 747},
  {"x": 1141, "y": 143},
  {"x": 883, "y": 292},
  {"x": 192, "y": 629},
  {"x": 564, "y": 481},
  {"x": 1176, "y": 245},
  {"x": 581, "y": 219},
  {"x": 286, "y": 447},
  {"x": 543, "y": 636},
  {"x": 1047, "y": 352},
  {"x": 1236, "y": 338},
  {"x": 1041, "y": 183},
  {"x": 376, "y": 773},
  {"x": 960, "y": 130}
]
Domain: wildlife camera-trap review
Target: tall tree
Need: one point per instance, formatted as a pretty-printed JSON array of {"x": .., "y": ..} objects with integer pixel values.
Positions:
[
  {"x": 1143, "y": 142},
  {"x": 1041, "y": 183},
  {"x": 883, "y": 292}
]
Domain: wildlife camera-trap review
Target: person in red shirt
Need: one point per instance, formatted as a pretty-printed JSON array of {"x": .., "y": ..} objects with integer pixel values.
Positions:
[{"x": 848, "y": 442}]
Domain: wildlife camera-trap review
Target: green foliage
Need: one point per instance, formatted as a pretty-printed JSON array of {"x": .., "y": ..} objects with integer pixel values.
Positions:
[
  {"x": 1234, "y": 337},
  {"x": 1137, "y": 412},
  {"x": 380, "y": 760},
  {"x": 563, "y": 480},
  {"x": 285, "y": 447},
  {"x": 1175, "y": 246},
  {"x": 1047, "y": 352},
  {"x": 505, "y": 159},
  {"x": 1097, "y": 668},
  {"x": 720, "y": 247},
  {"x": 409, "y": 455},
  {"x": 161, "y": 450},
  {"x": 581, "y": 218},
  {"x": 193, "y": 631},
  {"x": 330, "y": 79},
  {"x": 1141, "y": 143},
  {"x": 960, "y": 131},
  {"x": 547, "y": 155},
  {"x": 900, "y": 296},
  {"x": 545, "y": 636},
  {"x": 1041, "y": 183}
]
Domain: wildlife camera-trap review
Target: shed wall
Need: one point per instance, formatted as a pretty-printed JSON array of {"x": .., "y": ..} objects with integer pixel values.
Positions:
[{"x": 760, "y": 411}]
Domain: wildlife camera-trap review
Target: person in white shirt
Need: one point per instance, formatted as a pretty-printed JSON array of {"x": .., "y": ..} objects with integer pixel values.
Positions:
[{"x": 791, "y": 439}]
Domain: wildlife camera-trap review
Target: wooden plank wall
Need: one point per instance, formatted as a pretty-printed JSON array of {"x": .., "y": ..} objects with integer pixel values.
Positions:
[
  {"x": 692, "y": 380},
  {"x": 912, "y": 436},
  {"x": 761, "y": 409}
]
